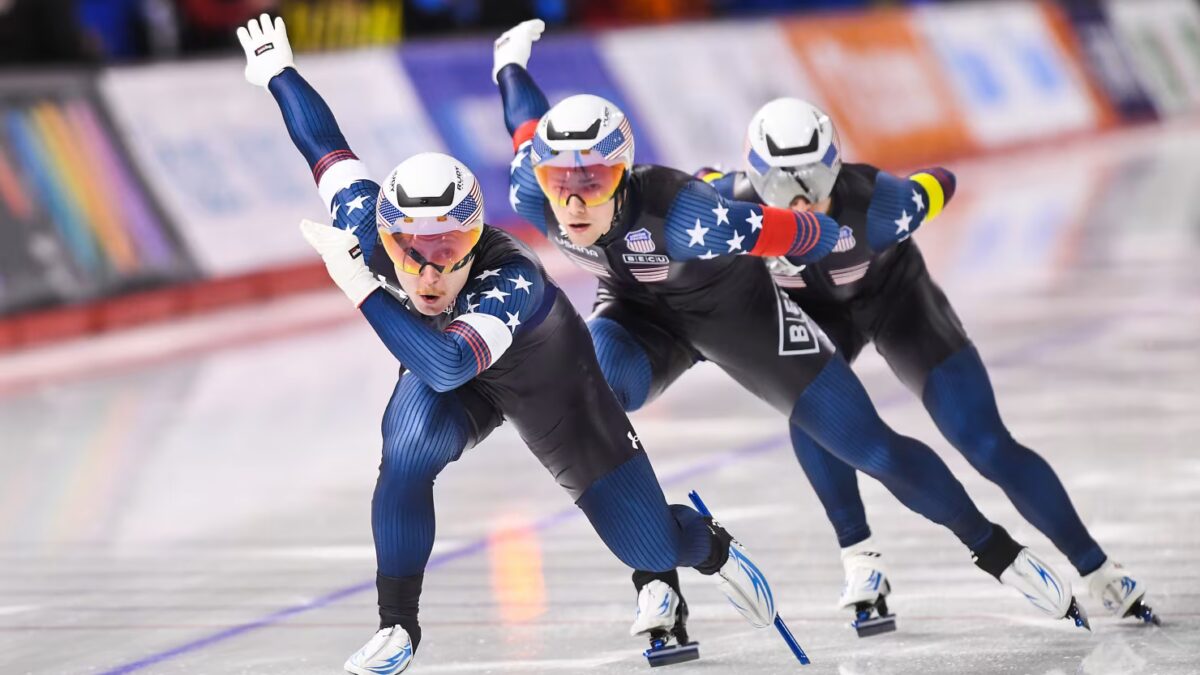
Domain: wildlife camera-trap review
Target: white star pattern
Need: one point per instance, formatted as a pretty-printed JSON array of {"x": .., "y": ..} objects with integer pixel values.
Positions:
[
  {"x": 903, "y": 222},
  {"x": 472, "y": 307},
  {"x": 513, "y": 199},
  {"x": 513, "y": 321},
  {"x": 336, "y": 208},
  {"x": 696, "y": 234},
  {"x": 356, "y": 203},
  {"x": 735, "y": 244},
  {"x": 496, "y": 294},
  {"x": 516, "y": 163},
  {"x": 488, "y": 273},
  {"x": 722, "y": 214},
  {"x": 708, "y": 255},
  {"x": 521, "y": 284},
  {"x": 755, "y": 221},
  {"x": 919, "y": 201}
]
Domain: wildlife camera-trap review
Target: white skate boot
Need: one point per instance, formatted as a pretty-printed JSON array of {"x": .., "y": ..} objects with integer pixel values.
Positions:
[
  {"x": 866, "y": 589},
  {"x": 388, "y": 652},
  {"x": 662, "y": 617},
  {"x": 1043, "y": 587},
  {"x": 1119, "y": 593}
]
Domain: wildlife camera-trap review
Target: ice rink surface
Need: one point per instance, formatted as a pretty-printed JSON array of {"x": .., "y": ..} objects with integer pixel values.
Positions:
[{"x": 194, "y": 497}]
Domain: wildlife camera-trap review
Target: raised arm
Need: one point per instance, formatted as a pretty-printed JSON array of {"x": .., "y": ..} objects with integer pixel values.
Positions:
[
  {"x": 342, "y": 180},
  {"x": 702, "y": 225},
  {"x": 524, "y": 105}
]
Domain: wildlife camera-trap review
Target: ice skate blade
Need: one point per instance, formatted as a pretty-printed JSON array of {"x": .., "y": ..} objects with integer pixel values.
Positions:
[
  {"x": 874, "y": 626},
  {"x": 665, "y": 656},
  {"x": 1076, "y": 614},
  {"x": 1144, "y": 613}
]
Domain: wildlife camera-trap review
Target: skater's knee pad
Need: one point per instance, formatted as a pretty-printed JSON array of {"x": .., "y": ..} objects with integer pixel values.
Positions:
[{"x": 625, "y": 364}]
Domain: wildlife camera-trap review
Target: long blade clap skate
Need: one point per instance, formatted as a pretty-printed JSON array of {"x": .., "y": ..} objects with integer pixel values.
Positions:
[
  {"x": 662, "y": 618},
  {"x": 1017, "y": 567},
  {"x": 1044, "y": 588},
  {"x": 1120, "y": 593},
  {"x": 740, "y": 579},
  {"x": 866, "y": 590}
]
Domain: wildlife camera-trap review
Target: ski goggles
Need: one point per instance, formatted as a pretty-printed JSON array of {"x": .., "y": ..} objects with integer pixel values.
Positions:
[
  {"x": 594, "y": 184},
  {"x": 444, "y": 252}
]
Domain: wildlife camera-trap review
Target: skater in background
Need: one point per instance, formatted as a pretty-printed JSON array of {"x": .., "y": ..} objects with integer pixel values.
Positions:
[
  {"x": 483, "y": 335},
  {"x": 860, "y": 295},
  {"x": 676, "y": 286}
]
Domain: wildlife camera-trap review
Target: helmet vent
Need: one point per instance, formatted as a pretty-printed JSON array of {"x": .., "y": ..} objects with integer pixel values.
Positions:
[
  {"x": 444, "y": 199},
  {"x": 777, "y": 151},
  {"x": 587, "y": 134}
]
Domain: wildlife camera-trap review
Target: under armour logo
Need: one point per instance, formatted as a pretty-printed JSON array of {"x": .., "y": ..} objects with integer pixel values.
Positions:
[{"x": 633, "y": 440}]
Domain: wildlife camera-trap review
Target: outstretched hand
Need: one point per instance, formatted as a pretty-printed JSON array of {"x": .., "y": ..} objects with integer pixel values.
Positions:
[
  {"x": 267, "y": 49},
  {"x": 515, "y": 45}
]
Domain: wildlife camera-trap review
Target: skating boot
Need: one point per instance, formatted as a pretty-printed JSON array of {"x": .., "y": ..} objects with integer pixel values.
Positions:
[
  {"x": 662, "y": 617},
  {"x": 1017, "y": 567},
  {"x": 1121, "y": 594},
  {"x": 866, "y": 589},
  {"x": 388, "y": 652}
]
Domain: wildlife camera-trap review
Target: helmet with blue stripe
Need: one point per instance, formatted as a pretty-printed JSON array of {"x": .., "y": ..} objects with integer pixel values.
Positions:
[
  {"x": 583, "y": 129},
  {"x": 792, "y": 151},
  {"x": 430, "y": 212}
]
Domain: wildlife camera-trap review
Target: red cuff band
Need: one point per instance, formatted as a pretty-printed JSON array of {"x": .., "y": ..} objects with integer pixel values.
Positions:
[
  {"x": 329, "y": 160},
  {"x": 808, "y": 234},
  {"x": 778, "y": 232},
  {"x": 524, "y": 133}
]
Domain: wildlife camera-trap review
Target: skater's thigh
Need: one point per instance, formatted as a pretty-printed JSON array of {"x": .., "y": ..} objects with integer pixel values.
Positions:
[
  {"x": 918, "y": 330},
  {"x": 426, "y": 428},
  {"x": 668, "y": 354},
  {"x": 574, "y": 424},
  {"x": 766, "y": 343}
]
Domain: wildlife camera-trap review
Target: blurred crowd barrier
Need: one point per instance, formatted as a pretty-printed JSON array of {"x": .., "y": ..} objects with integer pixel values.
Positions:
[{"x": 136, "y": 193}]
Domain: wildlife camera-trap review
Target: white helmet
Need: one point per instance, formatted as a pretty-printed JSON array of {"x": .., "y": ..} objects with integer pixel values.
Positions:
[
  {"x": 792, "y": 151},
  {"x": 583, "y": 128},
  {"x": 430, "y": 211}
]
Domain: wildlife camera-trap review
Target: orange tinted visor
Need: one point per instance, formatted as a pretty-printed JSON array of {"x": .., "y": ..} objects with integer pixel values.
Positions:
[
  {"x": 444, "y": 252},
  {"x": 594, "y": 183}
]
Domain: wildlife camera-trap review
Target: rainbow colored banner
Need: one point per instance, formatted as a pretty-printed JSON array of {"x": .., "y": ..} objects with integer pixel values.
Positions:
[{"x": 78, "y": 222}]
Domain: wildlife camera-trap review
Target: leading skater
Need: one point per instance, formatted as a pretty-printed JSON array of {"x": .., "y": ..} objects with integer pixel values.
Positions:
[
  {"x": 860, "y": 295},
  {"x": 676, "y": 285},
  {"x": 483, "y": 335}
]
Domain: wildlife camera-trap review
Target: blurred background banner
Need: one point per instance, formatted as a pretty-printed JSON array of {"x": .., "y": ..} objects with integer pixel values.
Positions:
[
  {"x": 1162, "y": 38},
  {"x": 885, "y": 87},
  {"x": 77, "y": 221},
  {"x": 1013, "y": 81},
  {"x": 217, "y": 153},
  {"x": 132, "y": 176},
  {"x": 694, "y": 91}
]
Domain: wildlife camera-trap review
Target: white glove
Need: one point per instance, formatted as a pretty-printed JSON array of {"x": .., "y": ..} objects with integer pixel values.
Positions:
[
  {"x": 514, "y": 46},
  {"x": 343, "y": 260},
  {"x": 268, "y": 51}
]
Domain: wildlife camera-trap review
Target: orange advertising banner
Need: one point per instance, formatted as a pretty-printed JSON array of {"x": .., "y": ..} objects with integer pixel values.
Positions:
[{"x": 882, "y": 85}]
